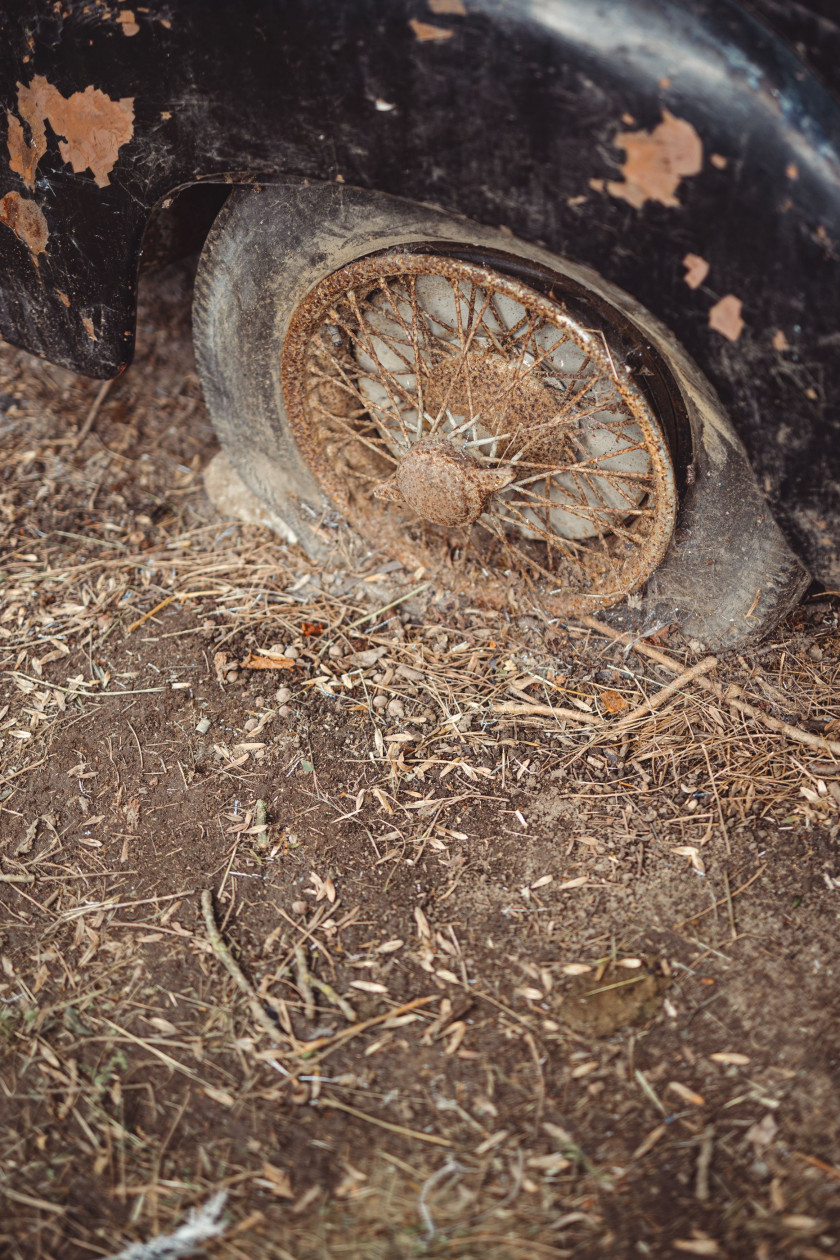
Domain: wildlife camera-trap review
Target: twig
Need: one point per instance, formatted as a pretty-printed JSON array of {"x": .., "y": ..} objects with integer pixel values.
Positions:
[
  {"x": 379, "y": 611},
  {"x": 327, "y": 1044},
  {"x": 329, "y": 1101},
  {"x": 164, "y": 603},
  {"x": 331, "y": 996},
  {"x": 224, "y": 955},
  {"x": 23, "y": 770},
  {"x": 101, "y": 395},
  {"x": 728, "y": 899},
  {"x": 819, "y": 742},
  {"x": 656, "y": 702},
  {"x": 304, "y": 982},
  {"x": 704, "y": 1160},
  {"x": 545, "y": 710},
  {"x": 16, "y": 879},
  {"x": 44, "y": 1204}
]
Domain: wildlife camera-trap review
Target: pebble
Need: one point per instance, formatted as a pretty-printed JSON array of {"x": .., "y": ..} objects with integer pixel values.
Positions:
[
  {"x": 283, "y": 695},
  {"x": 291, "y": 653},
  {"x": 334, "y": 651},
  {"x": 285, "y": 711},
  {"x": 815, "y": 653},
  {"x": 379, "y": 702},
  {"x": 251, "y": 724},
  {"x": 299, "y": 907},
  {"x": 396, "y": 708}
]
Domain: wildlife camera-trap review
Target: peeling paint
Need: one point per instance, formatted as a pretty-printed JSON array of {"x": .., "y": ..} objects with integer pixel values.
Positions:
[
  {"x": 455, "y": 7},
  {"x": 696, "y": 270},
  {"x": 657, "y": 161},
  {"x": 719, "y": 161},
  {"x": 26, "y": 219},
  {"x": 125, "y": 17},
  {"x": 87, "y": 324},
  {"x": 780, "y": 341},
  {"x": 725, "y": 317},
  {"x": 62, "y": 297},
  {"x": 424, "y": 31},
  {"x": 91, "y": 129}
]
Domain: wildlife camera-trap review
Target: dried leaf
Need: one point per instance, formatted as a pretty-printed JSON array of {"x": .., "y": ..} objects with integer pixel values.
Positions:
[
  {"x": 613, "y": 701},
  {"x": 256, "y": 660}
]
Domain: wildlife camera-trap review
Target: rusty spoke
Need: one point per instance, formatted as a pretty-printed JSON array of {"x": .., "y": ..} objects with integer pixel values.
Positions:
[{"x": 471, "y": 386}]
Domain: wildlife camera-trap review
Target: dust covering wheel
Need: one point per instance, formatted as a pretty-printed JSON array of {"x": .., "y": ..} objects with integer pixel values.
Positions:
[
  {"x": 506, "y": 419},
  {"x": 458, "y": 417}
]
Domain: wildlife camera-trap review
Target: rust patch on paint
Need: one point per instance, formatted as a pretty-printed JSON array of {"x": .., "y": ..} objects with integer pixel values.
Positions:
[
  {"x": 87, "y": 324},
  {"x": 62, "y": 297},
  {"x": 126, "y": 19},
  {"x": 442, "y": 7},
  {"x": 657, "y": 161},
  {"x": 780, "y": 341},
  {"x": 719, "y": 161},
  {"x": 725, "y": 317},
  {"x": 426, "y": 32},
  {"x": 696, "y": 270},
  {"x": 91, "y": 129},
  {"x": 26, "y": 219},
  {"x": 23, "y": 157}
]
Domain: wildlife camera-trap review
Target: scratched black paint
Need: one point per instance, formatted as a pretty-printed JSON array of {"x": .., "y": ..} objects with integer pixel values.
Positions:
[{"x": 506, "y": 121}]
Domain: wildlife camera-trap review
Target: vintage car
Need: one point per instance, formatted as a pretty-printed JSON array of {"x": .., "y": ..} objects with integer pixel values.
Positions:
[{"x": 542, "y": 296}]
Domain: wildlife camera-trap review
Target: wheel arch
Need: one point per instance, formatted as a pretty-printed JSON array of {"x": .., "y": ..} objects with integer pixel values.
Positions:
[{"x": 522, "y": 115}]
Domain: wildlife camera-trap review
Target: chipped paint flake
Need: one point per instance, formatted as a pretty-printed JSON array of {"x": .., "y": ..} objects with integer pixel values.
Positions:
[
  {"x": 725, "y": 317},
  {"x": 454, "y": 7},
  {"x": 657, "y": 161},
  {"x": 90, "y": 126},
  {"x": 127, "y": 21},
  {"x": 26, "y": 219},
  {"x": 62, "y": 297},
  {"x": 425, "y": 32},
  {"x": 780, "y": 341},
  {"x": 719, "y": 161},
  {"x": 87, "y": 324},
  {"x": 696, "y": 270}
]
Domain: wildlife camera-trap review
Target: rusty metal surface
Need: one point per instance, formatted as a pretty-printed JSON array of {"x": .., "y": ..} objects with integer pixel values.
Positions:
[{"x": 464, "y": 420}]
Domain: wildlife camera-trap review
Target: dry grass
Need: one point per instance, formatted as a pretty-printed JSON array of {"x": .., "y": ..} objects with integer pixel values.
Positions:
[{"x": 304, "y": 875}]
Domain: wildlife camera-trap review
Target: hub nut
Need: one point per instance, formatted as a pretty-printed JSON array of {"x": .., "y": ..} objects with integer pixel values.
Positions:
[{"x": 442, "y": 484}]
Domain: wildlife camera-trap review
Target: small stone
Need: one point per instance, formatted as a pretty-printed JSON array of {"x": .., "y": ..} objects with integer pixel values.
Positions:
[
  {"x": 379, "y": 702},
  {"x": 291, "y": 653},
  {"x": 231, "y": 675},
  {"x": 815, "y": 653},
  {"x": 334, "y": 651},
  {"x": 396, "y": 708},
  {"x": 251, "y": 724},
  {"x": 203, "y": 726},
  {"x": 285, "y": 711},
  {"x": 298, "y": 907},
  {"x": 283, "y": 695}
]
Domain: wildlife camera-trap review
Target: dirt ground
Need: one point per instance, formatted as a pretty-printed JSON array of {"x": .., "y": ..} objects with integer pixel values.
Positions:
[{"x": 520, "y": 971}]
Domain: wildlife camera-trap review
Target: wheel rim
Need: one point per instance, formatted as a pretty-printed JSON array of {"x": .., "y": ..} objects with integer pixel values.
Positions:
[{"x": 468, "y": 423}]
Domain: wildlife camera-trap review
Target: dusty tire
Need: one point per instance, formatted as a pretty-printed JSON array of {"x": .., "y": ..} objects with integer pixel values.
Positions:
[{"x": 722, "y": 571}]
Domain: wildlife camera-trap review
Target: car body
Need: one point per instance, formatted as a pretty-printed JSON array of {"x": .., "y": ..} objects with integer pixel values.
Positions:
[{"x": 688, "y": 152}]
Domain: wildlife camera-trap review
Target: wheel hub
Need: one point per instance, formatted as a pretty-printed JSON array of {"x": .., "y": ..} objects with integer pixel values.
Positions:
[{"x": 441, "y": 484}]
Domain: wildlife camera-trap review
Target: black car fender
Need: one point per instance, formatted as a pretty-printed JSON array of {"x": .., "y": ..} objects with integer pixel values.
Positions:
[{"x": 683, "y": 151}]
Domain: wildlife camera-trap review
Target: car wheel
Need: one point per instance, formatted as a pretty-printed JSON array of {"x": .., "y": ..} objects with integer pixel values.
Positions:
[{"x": 502, "y": 418}]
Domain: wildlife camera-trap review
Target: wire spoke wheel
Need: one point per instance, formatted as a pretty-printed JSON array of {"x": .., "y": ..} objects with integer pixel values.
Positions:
[{"x": 468, "y": 423}]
